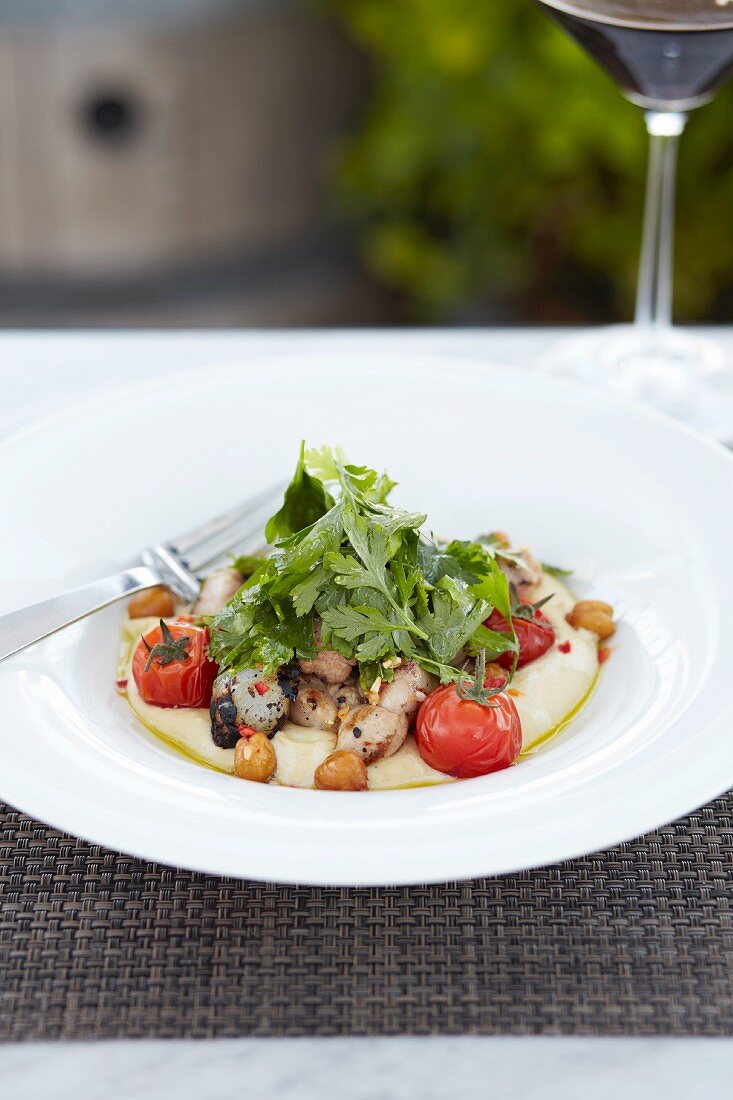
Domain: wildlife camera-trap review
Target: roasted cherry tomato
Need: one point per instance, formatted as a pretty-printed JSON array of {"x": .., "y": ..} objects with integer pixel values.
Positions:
[
  {"x": 535, "y": 636},
  {"x": 463, "y": 738},
  {"x": 171, "y": 665}
]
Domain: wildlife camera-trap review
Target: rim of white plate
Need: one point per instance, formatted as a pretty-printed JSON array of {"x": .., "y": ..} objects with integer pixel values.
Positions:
[{"x": 661, "y": 803}]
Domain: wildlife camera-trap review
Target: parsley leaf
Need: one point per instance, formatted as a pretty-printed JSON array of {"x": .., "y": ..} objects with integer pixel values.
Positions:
[
  {"x": 351, "y": 622},
  {"x": 306, "y": 500},
  {"x": 555, "y": 570},
  {"x": 362, "y": 573},
  {"x": 456, "y": 614}
]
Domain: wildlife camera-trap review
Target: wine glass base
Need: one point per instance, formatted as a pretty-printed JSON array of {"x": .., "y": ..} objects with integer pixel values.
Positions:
[{"x": 686, "y": 376}]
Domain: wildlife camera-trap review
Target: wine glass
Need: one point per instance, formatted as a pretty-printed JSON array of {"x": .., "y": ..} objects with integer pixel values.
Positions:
[{"x": 669, "y": 57}]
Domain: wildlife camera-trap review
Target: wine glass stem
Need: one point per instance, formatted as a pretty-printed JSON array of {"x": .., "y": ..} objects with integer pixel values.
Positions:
[{"x": 654, "y": 292}]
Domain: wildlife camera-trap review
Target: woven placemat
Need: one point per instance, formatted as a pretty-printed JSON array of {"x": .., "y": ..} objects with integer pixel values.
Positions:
[{"x": 634, "y": 941}]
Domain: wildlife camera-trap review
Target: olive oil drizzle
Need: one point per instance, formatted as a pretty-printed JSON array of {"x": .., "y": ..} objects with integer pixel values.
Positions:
[
  {"x": 539, "y": 743},
  {"x": 563, "y": 723}
]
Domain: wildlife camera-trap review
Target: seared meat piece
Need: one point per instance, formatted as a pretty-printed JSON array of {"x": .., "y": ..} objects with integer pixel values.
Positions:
[
  {"x": 328, "y": 665},
  {"x": 345, "y": 695},
  {"x": 313, "y": 707},
  {"x": 372, "y": 732},
  {"x": 216, "y": 590},
  {"x": 523, "y": 577},
  {"x": 408, "y": 689}
]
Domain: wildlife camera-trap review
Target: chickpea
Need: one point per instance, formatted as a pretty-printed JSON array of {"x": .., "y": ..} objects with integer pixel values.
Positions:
[
  {"x": 341, "y": 771},
  {"x": 593, "y": 615},
  {"x": 254, "y": 758},
  {"x": 494, "y": 671},
  {"x": 158, "y": 602}
]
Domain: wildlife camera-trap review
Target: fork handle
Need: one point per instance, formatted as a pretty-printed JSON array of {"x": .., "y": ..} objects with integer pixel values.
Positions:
[{"x": 21, "y": 628}]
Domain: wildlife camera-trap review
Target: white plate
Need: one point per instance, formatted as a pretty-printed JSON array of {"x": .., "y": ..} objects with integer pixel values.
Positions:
[{"x": 637, "y": 505}]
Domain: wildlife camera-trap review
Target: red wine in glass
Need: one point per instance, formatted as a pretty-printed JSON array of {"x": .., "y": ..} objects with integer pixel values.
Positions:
[
  {"x": 668, "y": 56},
  {"x": 665, "y": 54}
]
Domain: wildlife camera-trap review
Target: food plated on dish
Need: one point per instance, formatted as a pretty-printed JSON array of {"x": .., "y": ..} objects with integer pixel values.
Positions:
[
  {"x": 586, "y": 481},
  {"x": 361, "y": 652}
]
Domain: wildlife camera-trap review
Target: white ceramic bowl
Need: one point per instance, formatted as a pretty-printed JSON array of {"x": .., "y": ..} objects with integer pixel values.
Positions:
[{"x": 639, "y": 507}]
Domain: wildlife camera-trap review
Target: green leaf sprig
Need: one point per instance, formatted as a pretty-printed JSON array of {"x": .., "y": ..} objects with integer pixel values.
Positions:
[
  {"x": 363, "y": 573},
  {"x": 556, "y": 570}
]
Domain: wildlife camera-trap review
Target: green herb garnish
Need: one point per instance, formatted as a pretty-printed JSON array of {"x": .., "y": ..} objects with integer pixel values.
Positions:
[
  {"x": 377, "y": 585},
  {"x": 169, "y": 650},
  {"x": 306, "y": 499},
  {"x": 249, "y": 564},
  {"x": 555, "y": 570}
]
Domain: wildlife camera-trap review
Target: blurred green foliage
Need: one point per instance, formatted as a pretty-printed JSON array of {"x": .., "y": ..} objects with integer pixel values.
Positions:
[{"x": 497, "y": 164}]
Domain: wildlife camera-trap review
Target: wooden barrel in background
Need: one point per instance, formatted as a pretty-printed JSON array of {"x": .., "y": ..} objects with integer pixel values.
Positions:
[{"x": 157, "y": 155}]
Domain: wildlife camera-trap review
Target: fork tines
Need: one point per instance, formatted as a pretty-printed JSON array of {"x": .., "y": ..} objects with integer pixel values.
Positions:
[{"x": 238, "y": 529}]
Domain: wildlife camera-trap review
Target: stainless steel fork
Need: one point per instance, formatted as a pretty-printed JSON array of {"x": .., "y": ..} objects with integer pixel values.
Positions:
[{"x": 177, "y": 564}]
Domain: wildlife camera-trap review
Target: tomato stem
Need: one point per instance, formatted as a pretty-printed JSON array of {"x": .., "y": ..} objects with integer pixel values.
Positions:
[{"x": 169, "y": 650}]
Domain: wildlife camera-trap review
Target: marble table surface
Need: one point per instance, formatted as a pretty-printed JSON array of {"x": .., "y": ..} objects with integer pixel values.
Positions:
[
  {"x": 433, "y": 1068},
  {"x": 40, "y": 372}
]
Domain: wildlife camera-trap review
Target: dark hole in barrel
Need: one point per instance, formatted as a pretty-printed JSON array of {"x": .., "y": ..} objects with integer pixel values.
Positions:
[{"x": 111, "y": 117}]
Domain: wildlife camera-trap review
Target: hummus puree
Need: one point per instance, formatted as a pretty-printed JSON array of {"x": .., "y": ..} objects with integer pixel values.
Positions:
[
  {"x": 547, "y": 694},
  {"x": 552, "y": 689}
]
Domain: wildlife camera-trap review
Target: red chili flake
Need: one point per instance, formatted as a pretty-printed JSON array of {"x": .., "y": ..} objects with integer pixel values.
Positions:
[
  {"x": 603, "y": 654},
  {"x": 564, "y": 647},
  {"x": 261, "y": 687},
  {"x": 245, "y": 731},
  {"x": 121, "y": 685}
]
